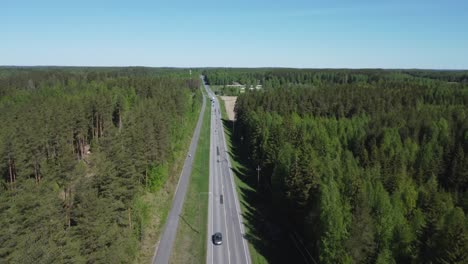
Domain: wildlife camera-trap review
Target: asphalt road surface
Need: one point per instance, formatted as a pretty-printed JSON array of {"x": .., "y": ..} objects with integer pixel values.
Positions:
[
  {"x": 164, "y": 249},
  {"x": 223, "y": 207}
]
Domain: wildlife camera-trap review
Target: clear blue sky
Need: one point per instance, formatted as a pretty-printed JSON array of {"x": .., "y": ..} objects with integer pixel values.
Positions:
[{"x": 237, "y": 33}]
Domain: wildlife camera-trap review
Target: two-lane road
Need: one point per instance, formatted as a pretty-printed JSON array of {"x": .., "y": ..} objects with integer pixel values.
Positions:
[
  {"x": 164, "y": 249},
  {"x": 223, "y": 209},
  {"x": 224, "y": 213}
]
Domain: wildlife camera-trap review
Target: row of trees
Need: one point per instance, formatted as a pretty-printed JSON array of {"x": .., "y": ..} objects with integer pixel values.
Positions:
[
  {"x": 78, "y": 147},
  {"x": 371, "y": 172},
  {"x": 228, "y": 76},
  {"x": 278, "y": 78}
]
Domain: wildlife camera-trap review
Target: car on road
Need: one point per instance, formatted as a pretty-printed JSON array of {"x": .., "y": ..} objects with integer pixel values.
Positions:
[{"x": 217, "y": 238}]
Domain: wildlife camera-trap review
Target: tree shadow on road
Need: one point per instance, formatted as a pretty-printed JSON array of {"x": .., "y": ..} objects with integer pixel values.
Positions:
[{"x": 262, "y": 222}]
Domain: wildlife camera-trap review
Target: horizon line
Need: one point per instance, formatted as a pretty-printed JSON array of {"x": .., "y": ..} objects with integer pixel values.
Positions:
[{"x": 230, "y": 67}]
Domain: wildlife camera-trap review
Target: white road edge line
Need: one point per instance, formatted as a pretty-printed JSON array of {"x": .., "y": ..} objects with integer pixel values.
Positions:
[
  {"x": 227, "y": 231},
  {"x": 236, "y": 202},
  {"x": 247, "y": 258},
  {"x": 212, "y": 198},
  {"x": 219, "y": 177}
]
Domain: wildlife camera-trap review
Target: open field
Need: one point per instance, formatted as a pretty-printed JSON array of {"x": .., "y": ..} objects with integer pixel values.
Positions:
[{"x": 229, "y": 104}]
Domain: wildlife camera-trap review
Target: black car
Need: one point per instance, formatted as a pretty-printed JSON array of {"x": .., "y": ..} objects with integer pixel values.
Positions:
[{"x": 217, "y": 238}]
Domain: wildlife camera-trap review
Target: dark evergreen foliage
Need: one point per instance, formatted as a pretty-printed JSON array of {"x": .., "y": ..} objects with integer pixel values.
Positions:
[
  {"x": 78, "y": 146},
  {"x": 371, "y": 164}
]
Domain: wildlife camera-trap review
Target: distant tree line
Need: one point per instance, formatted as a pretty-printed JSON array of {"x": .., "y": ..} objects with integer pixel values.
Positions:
[
  {"x": 370, "y": 165},
  {"x": 277, "y": 78},
  {"x": 78, "y": 147}
]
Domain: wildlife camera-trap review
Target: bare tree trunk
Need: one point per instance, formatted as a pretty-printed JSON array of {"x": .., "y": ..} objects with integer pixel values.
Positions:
[
  {"x": 79, "y": 147},
  {"x": 76, "y": 148},
  {"x": 120, "y": 120},
  {"x": 102, "y": 126},
  {"x": 82, "y": 146},
  {"x": 55, "y": 148},
  {"x": 96, "y": 127},
  {"x": 36, "y": 175},
  {"x": 99, "y": 126},
  {"x": 80, "y": 153},
  {"x": 47, "y": 149},
  {"x": 69, "y": 206},
  {"x": 72, "y": 144},
  {"x": 10, "y": 170},
  {"x": 65, "y": 193},
  {"x": 130, "y": 217},
  {"x": 146, "y": 178},
  {"x": 14, "y": 171}
]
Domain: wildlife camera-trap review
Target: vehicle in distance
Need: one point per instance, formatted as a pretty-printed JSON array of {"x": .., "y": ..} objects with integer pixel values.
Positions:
[{"x": 217, "y": 238}]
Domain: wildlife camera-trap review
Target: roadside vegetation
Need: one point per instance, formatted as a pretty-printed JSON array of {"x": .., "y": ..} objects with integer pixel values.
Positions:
[
  {"x": 258, "y": 217},
  {"x": 226, "y": 90},
  {"x": 88, "y": 158},
  {"x": 240, "y": 171},
  {"x": 191, "y": 238},
  {"x": 364, "y": 166}
]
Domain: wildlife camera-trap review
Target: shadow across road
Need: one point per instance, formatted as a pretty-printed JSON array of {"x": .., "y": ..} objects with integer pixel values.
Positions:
[{"x": 264, "y": 226}]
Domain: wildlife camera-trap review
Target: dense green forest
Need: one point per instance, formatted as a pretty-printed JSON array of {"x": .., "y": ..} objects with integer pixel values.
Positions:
[
  {"x": 78, "y": 148},
  {"x": 276, "y": 78},
  {"x": 371, "y": 166}
]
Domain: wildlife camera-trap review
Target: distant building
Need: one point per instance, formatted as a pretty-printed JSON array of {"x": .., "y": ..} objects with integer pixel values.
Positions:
[
  {"x": 235, "y": 85},
  {"x": 242, "y": 87}
]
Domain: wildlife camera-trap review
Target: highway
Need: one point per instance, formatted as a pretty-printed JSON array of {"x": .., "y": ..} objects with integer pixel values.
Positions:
[
  {"x": 224, "y": 213},
  {"x": 164, "y": 249}
]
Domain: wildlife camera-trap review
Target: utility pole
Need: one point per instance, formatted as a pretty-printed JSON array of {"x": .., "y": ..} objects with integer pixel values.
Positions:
[{"x": 258, "y": 175}]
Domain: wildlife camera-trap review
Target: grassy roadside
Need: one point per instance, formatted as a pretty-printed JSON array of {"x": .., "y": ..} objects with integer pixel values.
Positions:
[
  {"x": 190, "y": 243},
  {"x": 154, "y": 207},
  {"x": 241, "y": 188},
  {"x": 225, "y": 91}
]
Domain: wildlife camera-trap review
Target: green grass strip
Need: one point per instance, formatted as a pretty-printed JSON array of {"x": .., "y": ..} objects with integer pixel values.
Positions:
[{"x": 190, "y": 243}]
